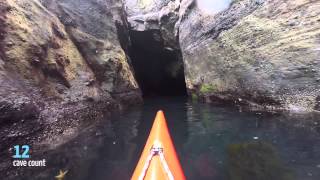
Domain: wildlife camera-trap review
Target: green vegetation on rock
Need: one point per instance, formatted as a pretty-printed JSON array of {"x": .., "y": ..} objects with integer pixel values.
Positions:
[
  {"x": 194, "y": 97},
  {"x": 207, "y": 88}
]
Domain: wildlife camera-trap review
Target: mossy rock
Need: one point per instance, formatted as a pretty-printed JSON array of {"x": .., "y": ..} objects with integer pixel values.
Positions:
[
  {"x": 207, "y": 88},
  {"x": 194, "y": 97}
]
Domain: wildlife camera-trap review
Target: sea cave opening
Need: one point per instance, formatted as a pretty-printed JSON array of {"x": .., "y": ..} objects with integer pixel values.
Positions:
[{"x": 158, "y": 69}]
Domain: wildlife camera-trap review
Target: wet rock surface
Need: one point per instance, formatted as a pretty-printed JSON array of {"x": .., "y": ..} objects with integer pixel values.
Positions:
[{"x": 62, "y": 68}]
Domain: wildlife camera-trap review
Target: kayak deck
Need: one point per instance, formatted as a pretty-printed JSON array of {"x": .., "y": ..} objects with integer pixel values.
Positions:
[{"x": 159, "y": 160}]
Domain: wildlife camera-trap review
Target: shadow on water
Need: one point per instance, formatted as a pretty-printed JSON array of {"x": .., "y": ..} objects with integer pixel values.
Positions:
[{"x": 212, "y": 142}]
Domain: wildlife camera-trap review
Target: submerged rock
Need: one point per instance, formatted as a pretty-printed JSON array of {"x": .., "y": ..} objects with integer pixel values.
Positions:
[{"x": 255, "y": 161}]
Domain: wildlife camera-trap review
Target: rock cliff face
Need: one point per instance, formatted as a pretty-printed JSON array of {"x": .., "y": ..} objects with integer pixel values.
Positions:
[
  {"x": 62, "y": 64},
  {"x": 157, "y": 16},
  {"x": 99, "y": 30},
  {"x": 261, "y": 53}
]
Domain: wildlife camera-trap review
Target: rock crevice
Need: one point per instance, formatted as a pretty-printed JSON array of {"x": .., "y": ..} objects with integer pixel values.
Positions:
[{"x": 263, "y": 54}]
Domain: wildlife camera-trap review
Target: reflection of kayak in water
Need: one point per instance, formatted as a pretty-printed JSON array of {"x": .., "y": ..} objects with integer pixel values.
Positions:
[{"x": 159, "y": 160}]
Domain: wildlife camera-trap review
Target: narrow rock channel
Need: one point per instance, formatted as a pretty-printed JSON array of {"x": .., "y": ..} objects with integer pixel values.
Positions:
[{"x": 72, "y": 70}]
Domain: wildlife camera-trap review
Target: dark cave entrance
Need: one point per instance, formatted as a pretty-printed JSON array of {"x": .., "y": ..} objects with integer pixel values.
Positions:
[{"x": 158, "y": 69}]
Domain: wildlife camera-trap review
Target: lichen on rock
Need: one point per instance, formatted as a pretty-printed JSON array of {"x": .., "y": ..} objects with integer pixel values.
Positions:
[{"x": 265, "y": 53}]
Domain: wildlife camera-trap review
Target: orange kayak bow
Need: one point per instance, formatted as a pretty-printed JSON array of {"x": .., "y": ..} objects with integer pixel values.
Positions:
[{"x": 159, "y": 160}]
